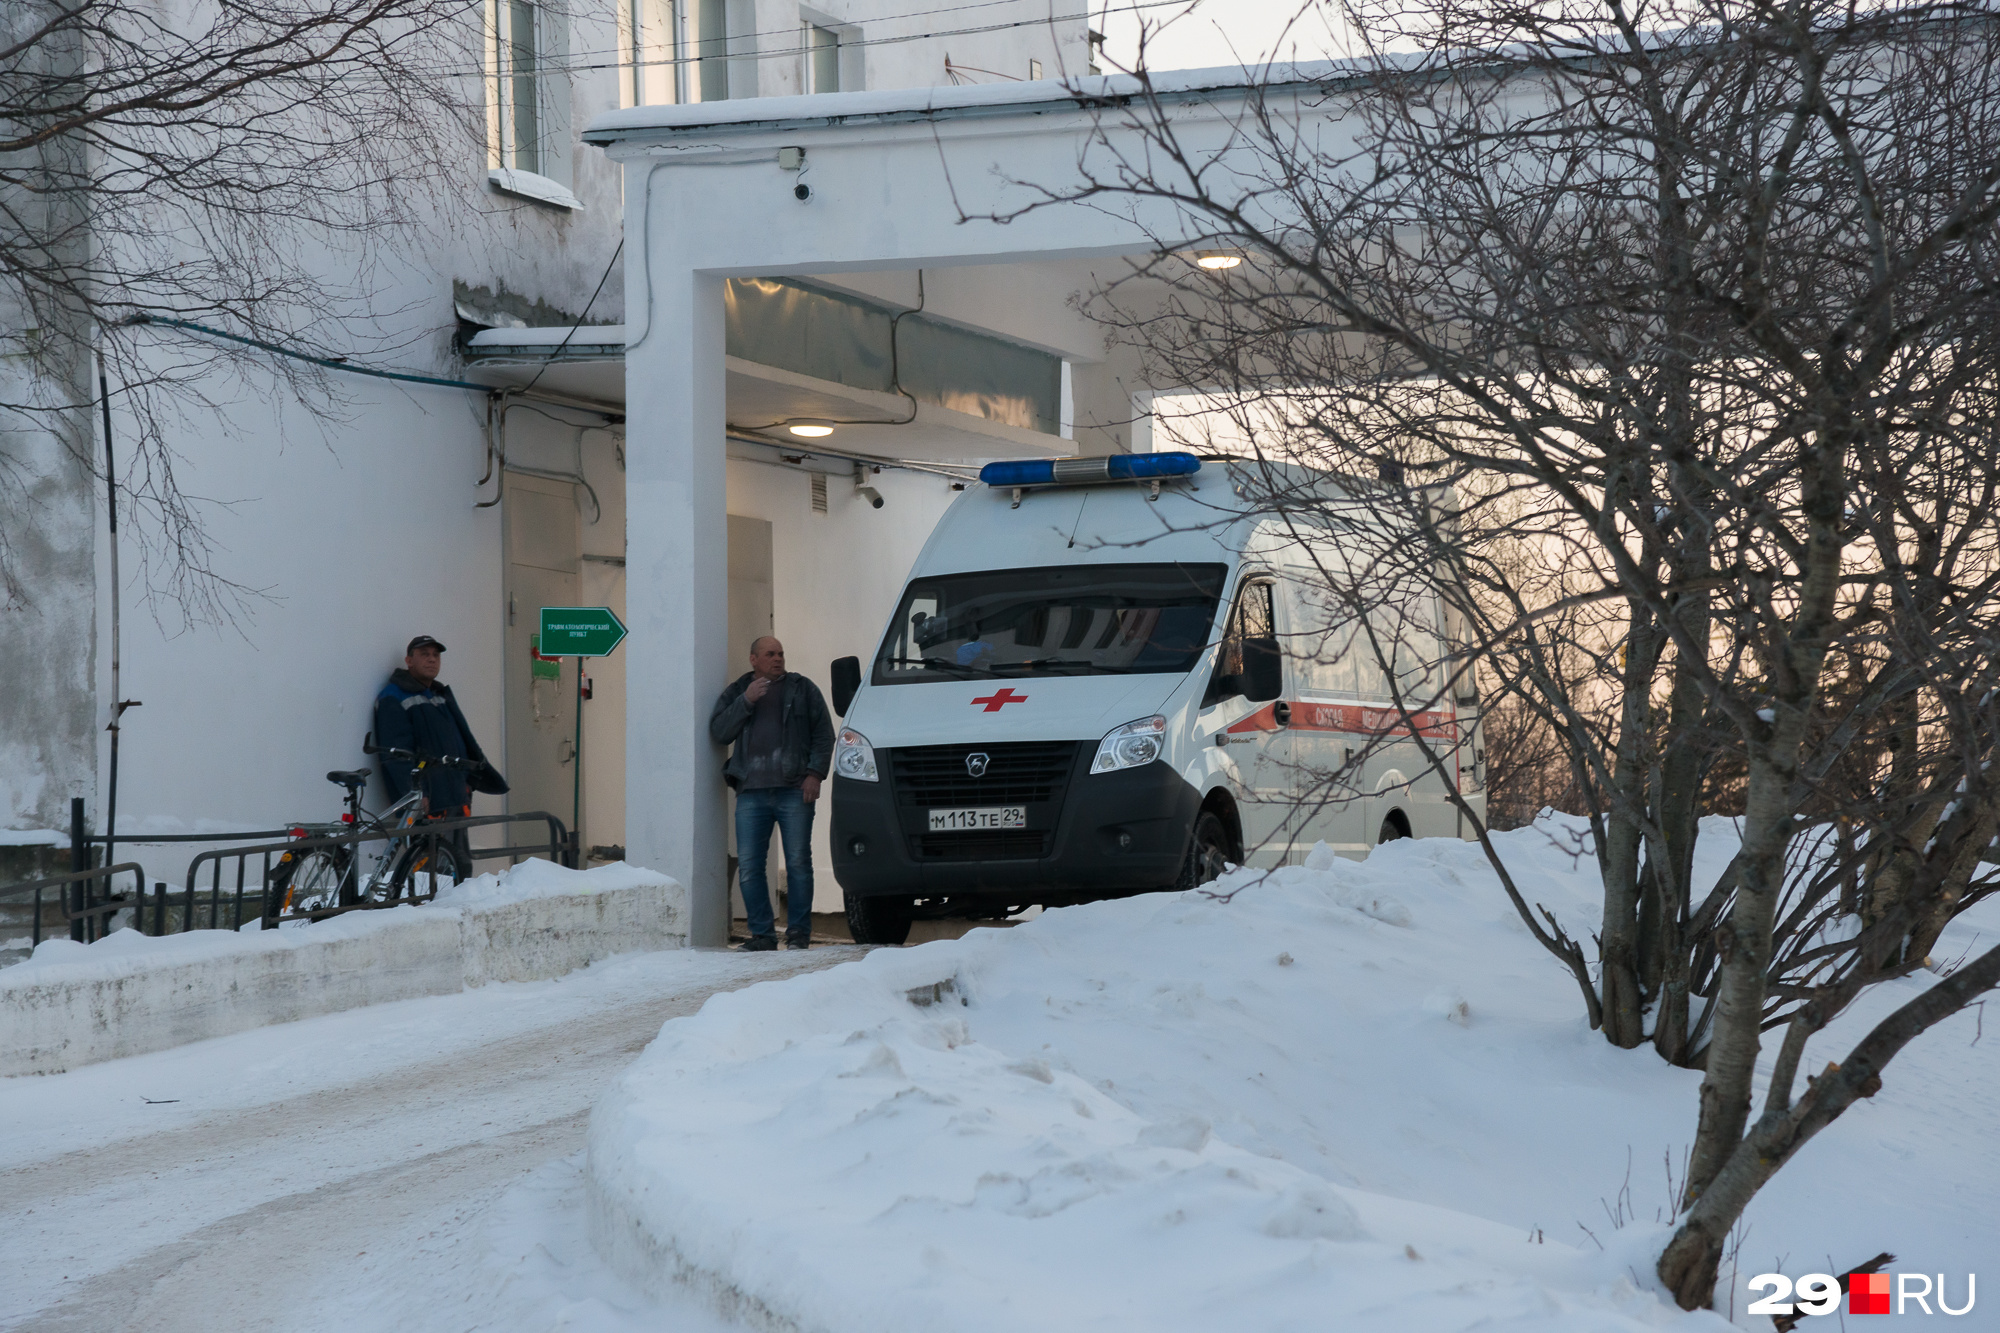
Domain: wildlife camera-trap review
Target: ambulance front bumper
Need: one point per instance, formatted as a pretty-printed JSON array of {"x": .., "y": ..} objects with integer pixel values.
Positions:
[{"x": 1088, "y": 835}]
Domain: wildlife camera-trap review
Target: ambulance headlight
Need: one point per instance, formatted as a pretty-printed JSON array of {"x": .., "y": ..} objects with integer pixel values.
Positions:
[
  {"x": 854, "y": 757},
  {"x": 1131, "y": 745}
]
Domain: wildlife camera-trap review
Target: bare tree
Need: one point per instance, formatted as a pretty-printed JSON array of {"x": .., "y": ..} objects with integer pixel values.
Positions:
[
  {"x": 1663, "y": 341},
  {"x": 204, "y": 163}
]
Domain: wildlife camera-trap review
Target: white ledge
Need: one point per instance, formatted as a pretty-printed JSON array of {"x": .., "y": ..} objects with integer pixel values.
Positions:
[{"x": 528, "y": 185}]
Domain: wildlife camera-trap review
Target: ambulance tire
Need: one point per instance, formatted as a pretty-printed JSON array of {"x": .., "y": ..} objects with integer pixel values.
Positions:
[
  {"x": 1207, "y": 854},
  {"x": 878, "y": 920}
]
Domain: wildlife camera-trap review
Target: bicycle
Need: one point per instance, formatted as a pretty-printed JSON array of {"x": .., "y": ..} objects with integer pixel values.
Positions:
[{"x": 321, "y": 879}]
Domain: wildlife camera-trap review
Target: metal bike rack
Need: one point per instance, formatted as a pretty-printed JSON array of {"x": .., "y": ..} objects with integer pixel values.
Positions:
[{"x": 559, "y": 847}]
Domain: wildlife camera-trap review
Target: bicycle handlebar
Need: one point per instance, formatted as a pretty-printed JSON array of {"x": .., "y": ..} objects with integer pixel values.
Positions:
[{"x": 418, "y": 756}]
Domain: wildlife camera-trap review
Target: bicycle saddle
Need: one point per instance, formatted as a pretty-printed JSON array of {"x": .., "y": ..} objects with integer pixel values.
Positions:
[{"x": 348, "y": 779}]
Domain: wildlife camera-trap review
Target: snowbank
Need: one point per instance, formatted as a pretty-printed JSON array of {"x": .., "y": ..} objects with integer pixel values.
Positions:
[
  {"x": 71, "y": 1004},
  {"x": 1352, "y": 1095}
]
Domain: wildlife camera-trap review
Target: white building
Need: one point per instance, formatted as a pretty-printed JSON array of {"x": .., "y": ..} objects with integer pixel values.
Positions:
[
  {"x": 458, "y": 512},
  {"x": 930, "y": 184}
]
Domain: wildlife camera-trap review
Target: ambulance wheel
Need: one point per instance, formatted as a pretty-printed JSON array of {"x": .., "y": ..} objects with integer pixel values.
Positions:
[
  {"x": 1208, "y": 852},
  {"x": 878, "y": 920}
]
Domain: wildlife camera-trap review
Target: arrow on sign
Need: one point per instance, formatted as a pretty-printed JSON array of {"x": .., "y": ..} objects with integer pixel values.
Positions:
[{"x": 579, "y": 631}]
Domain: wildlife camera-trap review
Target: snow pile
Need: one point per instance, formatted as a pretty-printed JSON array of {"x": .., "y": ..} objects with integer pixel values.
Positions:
[
  {"x": 542, "y": 879},
  {"x": 1352, "y": 1095},
  {"x": 1163, "y": 1113},
  {"x": 71, "y": 1004}
]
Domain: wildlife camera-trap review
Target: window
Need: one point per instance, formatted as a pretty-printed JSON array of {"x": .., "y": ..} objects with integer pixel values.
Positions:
[
  {"x": 822, "y": 59},
  {"x": 646, "y": 28},
  {"x": 520, "y": 87},
  {"x": 712, "y": 49},
  {"x": 528, "y": 100},
  {"x": 1014, "y": 624},
  {"x": 1252, "y": 634},
  {"x": 1251, "y": 621}
]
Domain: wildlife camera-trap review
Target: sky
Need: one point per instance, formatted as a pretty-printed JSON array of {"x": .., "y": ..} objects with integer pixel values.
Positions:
[{"x": 1208, "y": 33}]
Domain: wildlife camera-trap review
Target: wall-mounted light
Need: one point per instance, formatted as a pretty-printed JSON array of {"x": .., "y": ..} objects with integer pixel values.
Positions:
[
  {"x": 1217, "y": 260},
  {"x": 811, "y": 432}
]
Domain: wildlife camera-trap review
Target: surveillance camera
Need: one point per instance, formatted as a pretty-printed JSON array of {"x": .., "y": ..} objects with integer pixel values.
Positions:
[
  {"x": 870, "y": 494},
  {"x": 802, "y": 192}
]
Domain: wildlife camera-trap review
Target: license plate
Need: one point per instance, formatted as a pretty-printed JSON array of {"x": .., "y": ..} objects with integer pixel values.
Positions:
[{"x": 965, "y": 821}]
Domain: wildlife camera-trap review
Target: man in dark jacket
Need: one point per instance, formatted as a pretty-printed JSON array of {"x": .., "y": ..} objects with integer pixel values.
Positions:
[
  {"x": 416, "y": 712},
  {"x": 784, "y": 749}
]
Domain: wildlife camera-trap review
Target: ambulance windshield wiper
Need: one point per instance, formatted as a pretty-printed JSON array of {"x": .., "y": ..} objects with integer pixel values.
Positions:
[
  {"x": 1068, "y": 661},
  {"x": 939, "y": 664}
]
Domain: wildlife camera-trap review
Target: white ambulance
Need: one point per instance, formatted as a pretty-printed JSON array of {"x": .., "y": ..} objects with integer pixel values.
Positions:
[{"x": 1108, "y": 676}]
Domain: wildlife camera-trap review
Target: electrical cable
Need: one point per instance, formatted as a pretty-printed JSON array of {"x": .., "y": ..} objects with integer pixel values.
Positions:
[
  {"x": 330, "y": 362},
  {"x": 790, "y": 52},
  {"x": 579, "y": 320}
]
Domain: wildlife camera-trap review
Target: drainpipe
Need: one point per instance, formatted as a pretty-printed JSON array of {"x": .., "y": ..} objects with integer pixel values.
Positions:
[{"x": 118, "y": 705}]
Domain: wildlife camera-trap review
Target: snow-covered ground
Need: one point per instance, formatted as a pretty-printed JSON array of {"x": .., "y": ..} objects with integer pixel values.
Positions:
[
  {"x": 401, "y": 1167},
  {"x": 1353, "y": 1096},
  {"x": 1350, "y": 1096}
]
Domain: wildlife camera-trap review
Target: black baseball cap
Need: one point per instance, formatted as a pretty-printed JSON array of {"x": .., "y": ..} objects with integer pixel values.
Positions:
[{"x": 422, "y": 641}]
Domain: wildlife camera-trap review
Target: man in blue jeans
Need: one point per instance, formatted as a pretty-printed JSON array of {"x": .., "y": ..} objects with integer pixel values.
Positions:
[{"x": 784, "y": 746}]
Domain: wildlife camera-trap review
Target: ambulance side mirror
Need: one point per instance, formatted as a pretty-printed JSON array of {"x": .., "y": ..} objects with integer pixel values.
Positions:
[
  {"x": 846, "y": 682},
  {"x": 1263, "y": 675}
]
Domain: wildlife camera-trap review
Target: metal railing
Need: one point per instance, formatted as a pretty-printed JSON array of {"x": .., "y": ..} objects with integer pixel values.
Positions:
[
  {"x": 240, "y": 891},
  {"x": 212, "y": 898},
  {"x": 84, "y": 910}
]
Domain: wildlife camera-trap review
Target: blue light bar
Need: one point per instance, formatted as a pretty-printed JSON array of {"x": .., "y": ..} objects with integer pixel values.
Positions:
[{"x": 1084, "y": 471}]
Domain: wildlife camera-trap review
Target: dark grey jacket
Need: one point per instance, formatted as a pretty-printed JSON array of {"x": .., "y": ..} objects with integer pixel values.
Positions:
[{"x": 806, "y": 723}]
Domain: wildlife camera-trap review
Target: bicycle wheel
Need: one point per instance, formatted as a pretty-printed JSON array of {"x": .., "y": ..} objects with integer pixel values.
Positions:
[
  {"x": 423, "y": 869},
  {"x": 309, "y": 881}
]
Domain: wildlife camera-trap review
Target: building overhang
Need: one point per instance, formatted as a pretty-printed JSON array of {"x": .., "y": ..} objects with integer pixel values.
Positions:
[{"x": 587, "y": 363}]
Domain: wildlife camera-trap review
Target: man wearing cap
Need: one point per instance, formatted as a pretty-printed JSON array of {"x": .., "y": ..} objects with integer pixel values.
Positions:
[{"x": 416, "y": 712}]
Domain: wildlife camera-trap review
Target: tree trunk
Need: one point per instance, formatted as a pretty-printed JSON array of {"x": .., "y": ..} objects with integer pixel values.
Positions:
[
  {"x": 1689, "y": 1265},
  {"x": 1744, "y": 939},
  {"x": 1618, "y": 941}
]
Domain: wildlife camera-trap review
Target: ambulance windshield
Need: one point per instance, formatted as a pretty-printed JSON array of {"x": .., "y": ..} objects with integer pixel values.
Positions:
[{"x": 1074, "y": 620}]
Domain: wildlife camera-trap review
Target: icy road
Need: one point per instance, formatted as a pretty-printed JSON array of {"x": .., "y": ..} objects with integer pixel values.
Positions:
[{"x": 368, "y": 1169}]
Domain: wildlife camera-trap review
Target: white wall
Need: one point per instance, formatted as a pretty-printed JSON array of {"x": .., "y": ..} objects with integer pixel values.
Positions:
[
  {"x": 348, "y": 543},
  {"x": 353, "y": 531}
]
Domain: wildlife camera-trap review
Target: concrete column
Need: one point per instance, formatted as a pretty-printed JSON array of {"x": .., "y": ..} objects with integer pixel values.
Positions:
[{"x": 677, "y": 569}]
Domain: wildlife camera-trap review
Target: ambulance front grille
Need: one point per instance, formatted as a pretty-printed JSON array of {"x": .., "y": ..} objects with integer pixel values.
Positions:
[
  {"x": 1016, "y": 773},
  {"x": 992, "y": 845}
]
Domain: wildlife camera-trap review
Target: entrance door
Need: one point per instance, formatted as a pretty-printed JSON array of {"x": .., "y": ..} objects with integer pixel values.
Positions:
[{"x": 543, "y": 569}]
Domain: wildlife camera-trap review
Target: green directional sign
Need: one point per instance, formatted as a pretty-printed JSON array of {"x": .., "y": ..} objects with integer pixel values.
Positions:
[{"x": 579, "y": 631}]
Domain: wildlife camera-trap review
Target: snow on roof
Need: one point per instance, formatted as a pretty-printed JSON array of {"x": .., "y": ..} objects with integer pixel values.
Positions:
[{"x": 920, "y": 103}]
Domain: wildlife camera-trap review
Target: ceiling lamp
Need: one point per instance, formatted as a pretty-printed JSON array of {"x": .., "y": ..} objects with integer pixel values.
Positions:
[
  {"x": 1217, "y": 260},
  {"x": 811, "y": 432}
]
